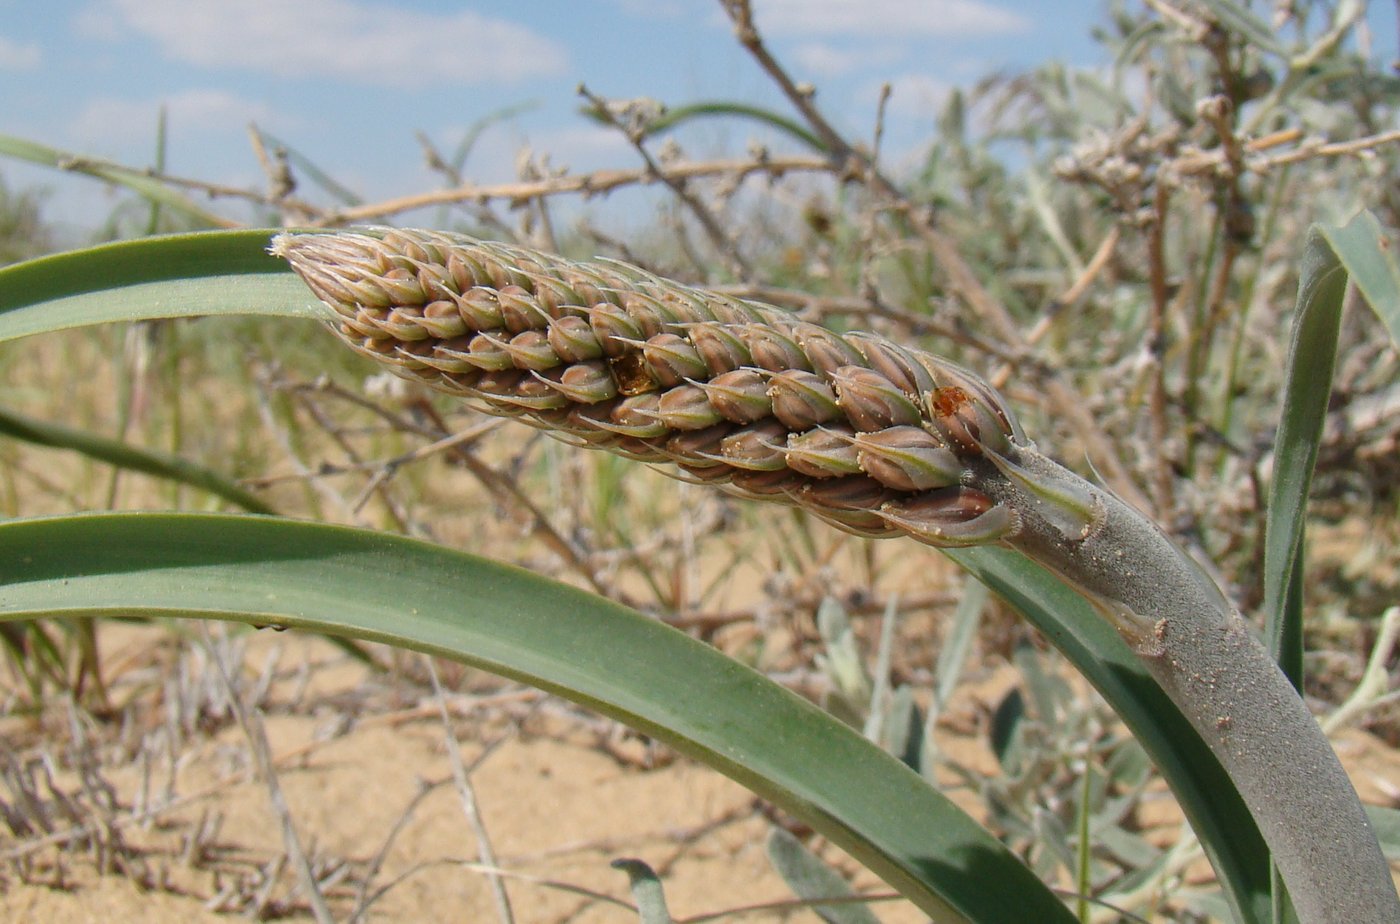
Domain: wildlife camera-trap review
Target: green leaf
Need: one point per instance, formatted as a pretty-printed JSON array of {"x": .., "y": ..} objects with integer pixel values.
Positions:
[
  {"x": 124, "y": 455},
  {"x": 1358, "y": 248},
  {"x": 1386, "y": 821},
  {"x": 1370, "y": 258},
  {"x": 137, "y": 181},
  {"x": 811, "y": 879},
  {"x": 175, "y": 276},
  {"x": 646, "y": 890},
  {"x": 383, "y": 588},
  {"x": 675, "y": 116},
  {"x": 1247, "y": 24}
]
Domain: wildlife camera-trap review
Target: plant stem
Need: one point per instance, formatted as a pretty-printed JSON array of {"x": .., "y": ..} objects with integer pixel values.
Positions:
[{"x": 1206, "y": 657}]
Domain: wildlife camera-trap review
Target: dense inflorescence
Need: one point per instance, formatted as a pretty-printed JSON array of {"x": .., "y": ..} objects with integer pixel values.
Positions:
[{"x": 871, "y": 436}]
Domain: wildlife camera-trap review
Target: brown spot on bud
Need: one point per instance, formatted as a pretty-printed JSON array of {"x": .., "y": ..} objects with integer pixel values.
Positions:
[{"x": 632, "y": 373}]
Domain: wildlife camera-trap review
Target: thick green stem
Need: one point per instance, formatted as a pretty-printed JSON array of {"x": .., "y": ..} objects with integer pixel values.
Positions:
[{"x": 1207, "y": 659}]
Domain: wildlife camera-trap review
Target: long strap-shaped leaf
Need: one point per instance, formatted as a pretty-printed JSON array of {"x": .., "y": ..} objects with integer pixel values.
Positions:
[
  {"x": 384, "y": 588},
  {"x": 1360, "y": 251},
  {"x": 175, "y": 276},
  {"x": 230, "y": 273}
]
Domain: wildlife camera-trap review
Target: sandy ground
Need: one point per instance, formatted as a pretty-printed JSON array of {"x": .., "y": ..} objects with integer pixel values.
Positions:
[
  {"x": 362, "y": 765},
  {"x": 185, "y": 829}
]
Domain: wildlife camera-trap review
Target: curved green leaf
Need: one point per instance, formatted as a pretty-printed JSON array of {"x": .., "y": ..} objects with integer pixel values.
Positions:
[
  {"x": 378, "y": 587},
  {"x": 124, "y": 455},
  {"x": 1359, "y": 249},
  {"x": 175, "y": 276},
  {"x": 674, "y": 116}
]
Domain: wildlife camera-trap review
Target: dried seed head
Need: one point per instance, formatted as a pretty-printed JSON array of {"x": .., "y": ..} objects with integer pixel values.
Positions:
[{"x": 876, "y": 438}]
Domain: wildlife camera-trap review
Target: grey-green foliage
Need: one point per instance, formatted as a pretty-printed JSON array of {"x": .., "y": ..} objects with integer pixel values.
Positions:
[
  {"x": 647, "y": 891},
  {"x": 811, "y": 879}
]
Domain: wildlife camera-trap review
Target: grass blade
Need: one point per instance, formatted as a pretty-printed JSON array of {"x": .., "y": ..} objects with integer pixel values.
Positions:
[
  {"x": 124, "y": 455},
  {"x": 378, "y": 587},
  {"x": 175, "y": 276},
  {"x": 137, "y": 181}
]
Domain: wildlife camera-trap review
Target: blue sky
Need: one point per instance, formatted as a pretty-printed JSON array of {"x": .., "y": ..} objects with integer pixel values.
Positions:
[{"x": 349, "y": 82}]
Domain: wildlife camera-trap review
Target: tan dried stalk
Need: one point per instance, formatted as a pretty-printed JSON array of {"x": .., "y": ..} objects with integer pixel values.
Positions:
[{"x": 876, "y": 438}]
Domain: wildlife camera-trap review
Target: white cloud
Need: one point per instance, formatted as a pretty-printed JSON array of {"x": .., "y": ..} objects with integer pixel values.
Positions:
[
  {"x": 112, "y": 121},
  {"x": 826, "y": 60},
  {"x": 17, "y": 57},
  {"x": 916, "y": 96},
  {"x": 887, "y": 18},
  {"x": 347, "y": 39}
]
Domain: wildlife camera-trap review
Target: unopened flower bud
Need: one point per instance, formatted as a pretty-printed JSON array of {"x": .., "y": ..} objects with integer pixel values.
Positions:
[
  {"x": 585, "y": 383},
  {"x": 907, "y": 459},
  {"x": 822, "y": 454},
  {"x": 870, "y": 401},
  {"x": 520, "y": 311},
  {"x": 740, "y": 396},
  {"x": 719, "y": 347},
  {"x": 686, "y": 408},
  {"x": 573, "y": 340},
  {"x": 673, "y": 360},
  {"x": 802, "y": 400},
  {"x": 954, "y": 516},
  {"x": 442, "y": 320}
]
